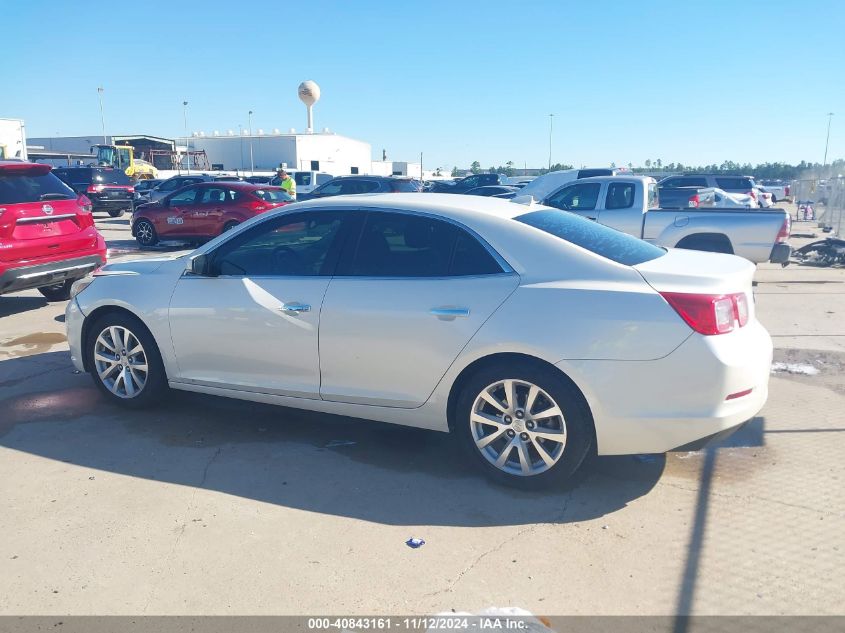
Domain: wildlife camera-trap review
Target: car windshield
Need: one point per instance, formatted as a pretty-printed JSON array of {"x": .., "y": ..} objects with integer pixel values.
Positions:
[
  {"x": 597, "y": 238},
  {"x": 18, "y": 188}
]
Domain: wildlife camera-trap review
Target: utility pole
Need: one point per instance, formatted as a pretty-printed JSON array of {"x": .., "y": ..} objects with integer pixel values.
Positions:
[
  {"x": 241, "y": 134},
  {"x": 251, "y": 162},
  {"x": 551, "y": 119},
  {"x": 102, "y": 116},
  {"x": 827, "y": 140},
  {"x": 185, "y": 121}
]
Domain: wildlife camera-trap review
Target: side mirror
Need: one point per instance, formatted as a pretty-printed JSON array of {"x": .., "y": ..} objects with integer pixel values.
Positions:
[{"x": 199, "y": 265}]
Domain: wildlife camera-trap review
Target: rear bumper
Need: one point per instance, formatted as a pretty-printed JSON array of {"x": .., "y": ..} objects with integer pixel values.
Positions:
[
  {"x": 780, "y": 253},
  {"x": 656, "y": 406},
  {"x": 112, "y": 204},
  {"x": 48, "y": 274}
]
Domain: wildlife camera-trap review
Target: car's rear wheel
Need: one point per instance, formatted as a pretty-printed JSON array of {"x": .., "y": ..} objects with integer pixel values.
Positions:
[
  {"x": 57, "y": 292},
  {"x": 145, "y": 233},
  {"x": 523, "y": 425},
  {"x": 116, "y": 213},
  {"x": 229, "y": 226},
  {"x": 124, "y": 361}
]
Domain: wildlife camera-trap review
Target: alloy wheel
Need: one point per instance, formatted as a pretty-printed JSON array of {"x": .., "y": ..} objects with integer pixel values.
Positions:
[
  {"x": 144, "y": 232},
  {"x": 518, "y": 427},
  {"x": 120, "y": 361}
]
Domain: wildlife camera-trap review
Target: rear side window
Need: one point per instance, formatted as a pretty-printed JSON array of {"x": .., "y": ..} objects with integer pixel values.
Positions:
[
  {"x": 402, "y": 245},
  {"x": 692, "y": 181},
  {"x": 32, "y": 188},
  {"x": 620, "y": 195},
  {"x": 602, "y": 240},
  {"x": 744, "y": 184},
  {"x": 405, "y": 186},
  {"x": 109, "y": 177},
  {"x": 653, "y": 196}
]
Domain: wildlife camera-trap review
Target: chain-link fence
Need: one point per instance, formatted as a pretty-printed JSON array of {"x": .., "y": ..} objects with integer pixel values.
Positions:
[{"x": 821, "y": 200}]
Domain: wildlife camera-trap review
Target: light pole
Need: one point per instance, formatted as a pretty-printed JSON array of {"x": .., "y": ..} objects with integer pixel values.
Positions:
[
  {"x": 102, "y": 116},
  {"x": 185, "y": 121},
  {"x": 551, "y": 119},
  {"x": 241, "y": 134},
  {"x": 251, "y": 161},
  {"x": 827, "y": 140}
]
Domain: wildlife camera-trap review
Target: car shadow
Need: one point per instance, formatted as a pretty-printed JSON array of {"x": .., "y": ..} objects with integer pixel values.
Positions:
[
  {"x": 315, "y": 462},
  {"x": 11, "y": 304}
]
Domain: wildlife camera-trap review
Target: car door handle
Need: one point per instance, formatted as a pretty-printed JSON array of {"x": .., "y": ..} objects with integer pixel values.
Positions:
[
  {"x": 449, "y": 313},
  {"x": 295, "y": 307}
]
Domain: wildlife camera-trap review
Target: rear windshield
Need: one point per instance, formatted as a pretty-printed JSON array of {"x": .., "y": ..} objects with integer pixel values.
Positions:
[
  {"x": 746, "y": 184},
  {"x": 597, "y": 238},
  {"x": 405, "y": 186},
  {"x": 110, "y": 176},
  {"x": 273, "y": 195},
  {"x": 23, "y": 188}
]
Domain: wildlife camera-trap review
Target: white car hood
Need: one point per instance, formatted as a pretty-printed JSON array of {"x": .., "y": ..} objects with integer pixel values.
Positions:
[{"x": 141, "y": 266}]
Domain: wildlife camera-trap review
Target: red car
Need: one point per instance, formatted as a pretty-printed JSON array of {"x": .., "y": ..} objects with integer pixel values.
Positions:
[
  {"x": 47, "y": 234},
  {"x": 203, "y": 210}
]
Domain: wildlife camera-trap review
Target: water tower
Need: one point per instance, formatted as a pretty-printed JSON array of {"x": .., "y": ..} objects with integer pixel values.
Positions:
[{"x": 309, "y": 94}]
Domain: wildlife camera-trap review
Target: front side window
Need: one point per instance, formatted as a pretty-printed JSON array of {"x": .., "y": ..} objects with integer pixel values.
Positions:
[
  {"x": 404, "y": 245},
  {"x": 296, "y": 245},
  {"x": 620, "y": 195},
  {"x": 332, "y": 188},
  {"x": 579, "y": 197},
  {"x": 692, "y": 181},
  {"x": 171, "y": 185},
  {"x": 184, "y": 198},
  {"x": 272, "y": 195}
]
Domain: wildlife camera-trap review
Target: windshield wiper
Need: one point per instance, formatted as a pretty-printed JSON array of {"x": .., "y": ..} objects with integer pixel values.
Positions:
[{"x": 54, "y": 196}]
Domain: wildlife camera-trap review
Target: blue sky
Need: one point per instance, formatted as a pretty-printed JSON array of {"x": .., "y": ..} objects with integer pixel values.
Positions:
[{"x": 691, "y": 82}]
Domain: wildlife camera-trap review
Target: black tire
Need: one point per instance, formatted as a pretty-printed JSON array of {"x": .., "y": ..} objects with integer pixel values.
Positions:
[
  {"x": 229, "y": 226},
  {"x": 155, "y": 386},
  {"x": 57, "y": 292},
  {"x": 145, "y": 233},
  {"x": 116, "y": 213},
  {"x": 774, "y": 199},
  {"x": 576, "y": 416}
]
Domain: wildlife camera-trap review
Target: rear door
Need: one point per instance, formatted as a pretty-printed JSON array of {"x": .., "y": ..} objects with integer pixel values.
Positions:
[{"x": 409, "y": 294}]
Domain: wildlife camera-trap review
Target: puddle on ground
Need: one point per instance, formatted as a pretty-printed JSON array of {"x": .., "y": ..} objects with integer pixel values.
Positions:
[
  {"x": 57, "y": 405},
  {"x": 37, "y": 343}
]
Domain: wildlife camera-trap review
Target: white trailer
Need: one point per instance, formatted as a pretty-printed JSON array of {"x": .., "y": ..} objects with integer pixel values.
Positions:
[{"x": 12, "y": 139}]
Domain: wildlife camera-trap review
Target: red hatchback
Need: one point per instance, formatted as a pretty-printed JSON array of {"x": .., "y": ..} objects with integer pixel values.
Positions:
[
  {"x": 203, "y": 210},
  {"x": 47, "y": 234}
]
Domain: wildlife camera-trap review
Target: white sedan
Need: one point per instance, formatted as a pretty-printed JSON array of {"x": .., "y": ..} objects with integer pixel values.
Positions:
[{"x": 531, "y": 334}]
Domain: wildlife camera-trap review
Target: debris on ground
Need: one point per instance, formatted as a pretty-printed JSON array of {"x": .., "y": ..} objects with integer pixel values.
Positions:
[
  {"x": 827, "y": 252},
  {"x": 337, "y": 443},
  {"x": 794, "y": 368},
  {"x": 415, "y": 543}
]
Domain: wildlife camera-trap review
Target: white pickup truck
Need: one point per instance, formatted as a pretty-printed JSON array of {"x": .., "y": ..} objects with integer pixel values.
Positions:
[{"x": 630, "y": 204}]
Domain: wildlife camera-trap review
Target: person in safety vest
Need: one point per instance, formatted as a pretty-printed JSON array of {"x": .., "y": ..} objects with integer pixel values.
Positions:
[{"x": 287, "y": 183}]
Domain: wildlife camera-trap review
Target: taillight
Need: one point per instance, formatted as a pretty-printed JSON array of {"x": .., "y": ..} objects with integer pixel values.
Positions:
[
  {"x": 752, "y": 194},
  {"x": 786, "y": 190},
  {"x": 258, "y": 206},
  {"x": 130, "y": 189},
  {"x": 694, "y": 201},
  {"x": 785, "y": 229},
  {"x": 710, "y": 314},
  {"x": 94, "y": 188},
  {"x": 84, "y": 203}
]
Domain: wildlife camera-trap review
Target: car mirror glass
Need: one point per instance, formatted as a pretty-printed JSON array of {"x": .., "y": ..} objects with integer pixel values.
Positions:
[{"x": 199, "y": 265}]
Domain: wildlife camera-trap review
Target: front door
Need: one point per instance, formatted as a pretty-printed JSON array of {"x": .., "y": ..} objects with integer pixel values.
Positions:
[
  {"x": 403, "y": 304},
  {"x": 252, "y": 324},
  {"x": 174, "y": 218}
]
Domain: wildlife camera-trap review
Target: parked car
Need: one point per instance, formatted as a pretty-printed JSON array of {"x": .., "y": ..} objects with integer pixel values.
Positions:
[
  {"x": 107, "y": 188},
  {"x": 259, "y": 180},
  {"x": 779, "y": 189},
  {"x": 306, "y": 181},
  {"x": 144, "y": 186},
  {"x": 351, "y": 185},
  {"x": 421, "y": 319},
  {"x": 47, "y": 234},
  {"x": 543, "y": 185},
  {"x": 675, "y": 191},
  {"x": 462, "y": 185},
  {"x": 491, "y": 190},
  {"x": 175, "y": 183},
  {"x": 204, "y": 210},
  {"x": 630, "y": 204}
]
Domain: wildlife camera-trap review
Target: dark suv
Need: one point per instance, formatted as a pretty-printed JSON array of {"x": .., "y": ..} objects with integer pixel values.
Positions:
[
  {"x": 348, "y": 185},
  {"x": 108, "y": 189}
]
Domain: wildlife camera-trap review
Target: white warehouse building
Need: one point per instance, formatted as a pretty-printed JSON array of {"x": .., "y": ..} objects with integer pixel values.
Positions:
[{"x": 325, "y": 151}]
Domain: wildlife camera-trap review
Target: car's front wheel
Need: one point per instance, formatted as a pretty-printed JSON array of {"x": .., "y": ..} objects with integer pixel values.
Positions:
[
  {"x": 116, "y": 213},
  {"x": 523, "y": 425},
  {"x": 124, "y": 361},
  {"x": 145, "y": 233}
]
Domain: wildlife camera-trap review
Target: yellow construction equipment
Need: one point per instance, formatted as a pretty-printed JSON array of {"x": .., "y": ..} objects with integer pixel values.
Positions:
[{"x": 123, "y": 157}]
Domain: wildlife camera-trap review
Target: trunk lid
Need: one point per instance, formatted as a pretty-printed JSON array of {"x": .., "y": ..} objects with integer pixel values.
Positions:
[{"x": 688, "y": 271}]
